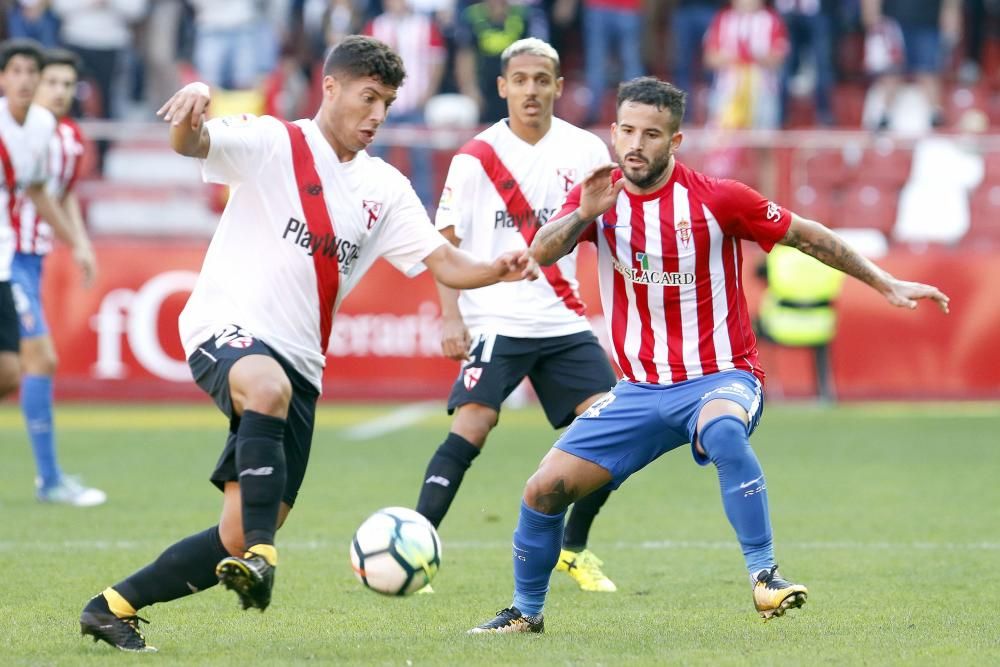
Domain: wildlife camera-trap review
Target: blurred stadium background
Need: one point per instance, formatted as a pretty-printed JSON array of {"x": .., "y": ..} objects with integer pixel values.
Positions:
[{"x": 912, "y": 176}]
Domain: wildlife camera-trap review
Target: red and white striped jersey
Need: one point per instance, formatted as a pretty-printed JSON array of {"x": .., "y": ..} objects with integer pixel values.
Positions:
[
  {"x": 23, "y": 153},
  {"x": 499, "y": 190},
  {"x": 669, "y": 266},
  {"x": 65, "y": 155},
  {"x": 417, "y": 40}
]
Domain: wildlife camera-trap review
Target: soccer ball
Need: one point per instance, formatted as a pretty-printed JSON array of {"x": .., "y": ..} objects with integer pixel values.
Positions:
[{"x": 396, "y": 551}]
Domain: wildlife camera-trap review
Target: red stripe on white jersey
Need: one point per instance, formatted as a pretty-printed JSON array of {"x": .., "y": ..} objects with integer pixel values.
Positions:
[
  {"x": 13, "y": 199},
  {"x": 638, "y": 259},
  {"x": 320, "y": 224},
  {"x": 520, "y": 208}
]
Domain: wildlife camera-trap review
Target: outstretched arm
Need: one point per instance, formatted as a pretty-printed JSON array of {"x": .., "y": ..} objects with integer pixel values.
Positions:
[
  {"x": 458, "y": 269},
  {"x": 185, "y": 111},
  {"x": 818, "y": 241},
  {"x": 557, "y": 238}
]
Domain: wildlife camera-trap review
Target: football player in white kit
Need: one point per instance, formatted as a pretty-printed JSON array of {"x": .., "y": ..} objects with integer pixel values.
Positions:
[
  {"x": 309, "y": 213},
  {"x": 26, "y": 131},
  {"x": 502, "y": 186}
]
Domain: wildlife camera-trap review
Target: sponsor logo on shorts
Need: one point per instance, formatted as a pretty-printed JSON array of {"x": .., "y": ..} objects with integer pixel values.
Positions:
[{"x": 734, "y": 389}]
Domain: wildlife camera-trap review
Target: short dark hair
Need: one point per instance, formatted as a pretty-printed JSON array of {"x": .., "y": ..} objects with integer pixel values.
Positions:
[
  {"x": 660, "y": 94},
  {"x": 20, "y": 46},
  {"x": 361, "y": 56},
  {"x": 62, "y": 57}
]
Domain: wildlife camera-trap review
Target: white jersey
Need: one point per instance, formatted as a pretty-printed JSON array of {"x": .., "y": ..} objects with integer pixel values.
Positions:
[
  {"x": 269, "y": 269},
  {"x": 24, "y": 151},
  {"x": 499, "y": 191}
]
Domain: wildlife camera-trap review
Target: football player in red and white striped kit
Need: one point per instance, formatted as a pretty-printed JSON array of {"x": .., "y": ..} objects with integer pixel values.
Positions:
[
  {"x": 34, "y": 239},
  {"x": 670, "y": 263}
]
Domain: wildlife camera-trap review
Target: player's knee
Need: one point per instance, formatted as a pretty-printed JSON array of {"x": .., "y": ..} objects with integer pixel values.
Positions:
[
  {"x": 474, "y": 423},
  {"x": 545, "y": 494},
  {"x": 269, "y": 395},
  {"x": 724, "y": 437}
]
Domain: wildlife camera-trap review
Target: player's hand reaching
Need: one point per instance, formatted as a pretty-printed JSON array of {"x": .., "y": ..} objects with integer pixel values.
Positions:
[
  {"x": 906, "y": 294},
  {"x": 516, "y": 265},
  {"x": 598, "y": 193},
  {"x": 189, "y": 103},
  {"x": 455, "y": 339}
]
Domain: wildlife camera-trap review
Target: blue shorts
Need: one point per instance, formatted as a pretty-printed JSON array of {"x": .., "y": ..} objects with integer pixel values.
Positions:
[
  {"x": 26, "y": 283},
  {"x": 923, "y": 49},
  {"x": 634, "y": 424}
]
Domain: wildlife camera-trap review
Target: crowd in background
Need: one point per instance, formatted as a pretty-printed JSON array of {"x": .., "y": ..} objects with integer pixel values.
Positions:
[{"x": 748, "y": 56}]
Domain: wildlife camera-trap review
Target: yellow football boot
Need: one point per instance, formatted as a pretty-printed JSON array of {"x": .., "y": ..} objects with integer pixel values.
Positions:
[
  {"x": 773, "y": 596},
  {"x": 585, "y": 568}
]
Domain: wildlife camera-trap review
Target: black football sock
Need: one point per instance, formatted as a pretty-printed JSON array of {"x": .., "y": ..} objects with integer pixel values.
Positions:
[
  {"x": 444, "y": 475},
  {"x": 184, "y": 568},
  {"x": 581, "y": 517},
  {"x": 260, "y": 460}
]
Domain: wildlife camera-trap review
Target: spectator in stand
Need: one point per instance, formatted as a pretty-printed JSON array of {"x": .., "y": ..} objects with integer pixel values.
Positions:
[
  {"x": 228, "y": 50},
  {"x": 33, "y": 19},
  {"x": 100, "y": 31},
  {"x": 810, "y": 28},
  {"x": 484, "y": 30},
  {"x": 608, "y": 23},
  {"x": 688, "y": 25},
  {"x": 746, "y": 47},
  {"x": 929, "y": 29},
  {"x": 417, "y": 40}
]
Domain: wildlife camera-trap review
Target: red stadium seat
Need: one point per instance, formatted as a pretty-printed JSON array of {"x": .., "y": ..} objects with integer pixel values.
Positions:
[
  {"x": 885, "y": 166},
  {"x": 984, "y": 224},
  {"x": 867, "y": 205}
]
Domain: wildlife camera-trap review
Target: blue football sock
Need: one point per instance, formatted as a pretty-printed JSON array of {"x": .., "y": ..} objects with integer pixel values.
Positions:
[
  {"x": 537, "y": 541},
  {"x": 36, "y": 405},
  {"x": 744, "y": 491}
]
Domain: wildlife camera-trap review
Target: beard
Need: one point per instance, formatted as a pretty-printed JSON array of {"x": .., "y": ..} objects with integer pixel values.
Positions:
[{"x": 648, "y": 175}]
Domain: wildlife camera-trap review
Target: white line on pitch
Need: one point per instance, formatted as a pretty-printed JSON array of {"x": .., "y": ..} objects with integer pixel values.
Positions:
[
  {"x": 394, "y": 421},
  {"x": 59, "y": 546}
]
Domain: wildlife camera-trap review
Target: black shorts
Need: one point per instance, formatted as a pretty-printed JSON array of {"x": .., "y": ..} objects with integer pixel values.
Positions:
[
  {"x": 210, "y": 365},
  {"x": 10, "y": 332},
  {"x": 564, "y": 370}
]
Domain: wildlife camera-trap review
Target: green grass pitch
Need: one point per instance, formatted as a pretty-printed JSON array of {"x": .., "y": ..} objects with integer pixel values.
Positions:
[{"x": 889, "y": 513}]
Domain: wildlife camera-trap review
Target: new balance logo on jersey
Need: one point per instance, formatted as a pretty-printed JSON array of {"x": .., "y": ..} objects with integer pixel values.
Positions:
[
  {"x": 264, "y": 471},
  {"x": 773, "y": 211},
  {"x": 328, "y": 245},
  {"x": 439, "y": 480},
  {"x": 647, "y": 277},
  {"x": 504, "y": 220}
]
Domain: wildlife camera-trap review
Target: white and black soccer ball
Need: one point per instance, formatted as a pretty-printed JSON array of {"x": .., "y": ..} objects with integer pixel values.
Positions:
[{"x": 396, "y": 551}]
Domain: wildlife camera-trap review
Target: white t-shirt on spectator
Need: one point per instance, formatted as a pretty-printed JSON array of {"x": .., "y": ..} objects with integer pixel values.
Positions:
[{"x": 260, "y": 272}]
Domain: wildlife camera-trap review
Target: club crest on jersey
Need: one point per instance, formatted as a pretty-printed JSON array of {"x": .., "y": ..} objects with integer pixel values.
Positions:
[
  {"x": 683, "y": 228},
  {"x": 471, "y": 377},
  {"x": 567, "y": 177},
  {"x": 372, "y": 210}
]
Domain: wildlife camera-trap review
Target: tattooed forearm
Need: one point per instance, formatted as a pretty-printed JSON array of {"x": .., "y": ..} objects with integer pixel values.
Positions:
[
  {"x": 555, "y": 499},
  {"x": 817, "y": 241},
  {"x": 557, "y": 238}
]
